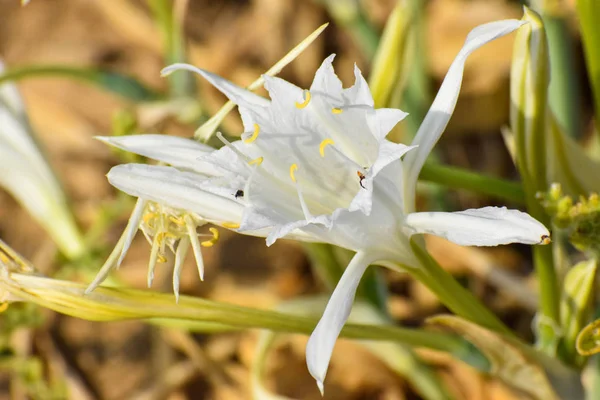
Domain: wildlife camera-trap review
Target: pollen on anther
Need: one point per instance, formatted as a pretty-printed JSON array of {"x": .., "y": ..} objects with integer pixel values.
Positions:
[
  {"x": 293, "y": 169},
  {"x": 306, "y": 100},
  {"x": 256, "y": 161},
  {"x": 211, "y": 242},
  {"x": 324, "y": 144},
  {"x": 230, "y": 225},
  {"x": 336, "y": 110},
  {"x": 545, "y": 239},
  {"x": 254, "y": 134}
]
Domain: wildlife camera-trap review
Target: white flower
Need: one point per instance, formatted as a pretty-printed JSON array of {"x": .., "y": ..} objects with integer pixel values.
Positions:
[
  {"x": 314, "y": 165},
  {"x": 25, "y": 174}
]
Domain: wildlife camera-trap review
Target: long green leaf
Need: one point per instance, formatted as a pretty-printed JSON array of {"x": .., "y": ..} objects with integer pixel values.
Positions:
[{"x": 114, "y": 82}]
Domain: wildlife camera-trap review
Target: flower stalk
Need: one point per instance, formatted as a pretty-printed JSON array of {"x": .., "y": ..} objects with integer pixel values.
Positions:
[{"x": 530, "y": 75}]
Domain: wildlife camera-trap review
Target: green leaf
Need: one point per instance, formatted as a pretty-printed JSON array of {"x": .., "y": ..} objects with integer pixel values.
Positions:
[{"x": 120, "y": 84}]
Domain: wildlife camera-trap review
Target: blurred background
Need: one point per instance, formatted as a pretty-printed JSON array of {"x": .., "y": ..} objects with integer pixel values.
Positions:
[{"x": 237, "y": 39}]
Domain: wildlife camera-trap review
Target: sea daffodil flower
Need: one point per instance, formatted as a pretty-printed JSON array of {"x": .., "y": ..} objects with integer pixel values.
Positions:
[{"x": 315, "y": 165}]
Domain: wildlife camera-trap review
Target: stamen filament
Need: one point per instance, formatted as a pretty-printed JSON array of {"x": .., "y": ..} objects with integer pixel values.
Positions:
[
  {"x": 254, "y": 134},
  {"x": 231, "y": 146},
  {"x": 306, "y": 100},
  {"x": 324, "y": 144},
  {"x": 307, "y": 215},
  {"x": 215, "y": 238}
]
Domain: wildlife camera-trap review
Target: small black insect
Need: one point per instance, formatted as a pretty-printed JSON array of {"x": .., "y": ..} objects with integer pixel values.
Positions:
[{"x": 239, "y": 193}]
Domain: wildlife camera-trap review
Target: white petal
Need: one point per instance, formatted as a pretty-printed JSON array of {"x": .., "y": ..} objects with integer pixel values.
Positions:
[
  {"x": 175, "y": 151},
  {"x": 282, "y": 91},
  {"x": 326, "y": 81},
  {"x": 359, "y": 93},
  {"x": 488, "y": 226},
  {"x": 443, "y": 106},
  {"x": 180, "y": 190},
  {"x": 388, "y": 153},
  {"x": 322, "y": 340},
  {"x": 387, "y": 118},
  {"x": 235, "y": 93},
  {"x": 131, "y": 228}
]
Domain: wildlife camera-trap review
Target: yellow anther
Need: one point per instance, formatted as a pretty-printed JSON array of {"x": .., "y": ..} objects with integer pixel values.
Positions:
[
  {"x": 256, "y": 161},
  {"x": 3, "y": 307},
  {"x": 161, "y": 258},
  {"x": 4, "y": 259},
  {"x": 306, "y": 100},
  {"x": 177, "y": 221},
  {"x": 324, "y": 144},
  {"x": 545, "y": 239},
  {"x": 149, "y": 216},
  {"x": 336, "y": 110},
  {"x": 293, "y": 169},
  {"x": 211, "y": 242},
  {"x": 230, "y": 225},
  {"x": 254, "y": 134}
]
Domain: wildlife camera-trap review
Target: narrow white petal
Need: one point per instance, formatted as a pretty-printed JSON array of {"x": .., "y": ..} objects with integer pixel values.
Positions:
[
  {"x": 191, "y": 229},
  {"x": 176, "y": 151},
  {"x": 235, "y": 93},
  {"x": 322, "y": 340},
  {"x": 182, "y": 248},
  {"x": 488, "y": 226},
  {"x": 131, "y": 228},
  {"x": 176, "y": 189},
  {"x": 443, "y": 106}
]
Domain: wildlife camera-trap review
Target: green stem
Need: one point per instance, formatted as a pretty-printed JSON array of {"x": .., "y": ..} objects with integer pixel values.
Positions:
[
  {"x": 454, "y": 296},
  {"x": 180, "y": 84},
  {"x": 549, "y": 299},
  {"x": 114, "y": 304},
  {"x": 458, "y": 178}
]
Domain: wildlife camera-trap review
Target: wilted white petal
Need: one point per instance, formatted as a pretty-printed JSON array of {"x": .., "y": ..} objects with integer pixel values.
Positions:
[
  {"x": 177, "y": 189},
  {"x": 488, "y": 226},
  {"x": 233, "y": 92},
  {"x": 443, "y": 106},
  {"x": 176, "y": 151},
  {"x": 321, "y": 341}
]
